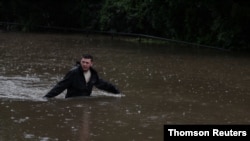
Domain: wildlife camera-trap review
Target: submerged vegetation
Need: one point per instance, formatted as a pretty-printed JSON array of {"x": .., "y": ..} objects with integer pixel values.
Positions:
[{"x": 223, "y": 23}]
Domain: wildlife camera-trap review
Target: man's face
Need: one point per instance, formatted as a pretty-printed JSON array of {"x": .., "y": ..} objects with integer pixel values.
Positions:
[{"x": 86, "y": 64}]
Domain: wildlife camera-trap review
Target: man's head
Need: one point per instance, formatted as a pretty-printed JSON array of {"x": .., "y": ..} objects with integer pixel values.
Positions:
[{"x": 86, "y": 62}]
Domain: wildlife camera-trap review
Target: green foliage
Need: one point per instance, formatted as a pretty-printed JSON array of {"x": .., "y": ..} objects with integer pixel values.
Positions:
[{"x": 223, "y": 23}]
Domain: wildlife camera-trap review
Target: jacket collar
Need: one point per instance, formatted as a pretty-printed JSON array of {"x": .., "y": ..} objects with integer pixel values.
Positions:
[{"x": 92, "y": 70}]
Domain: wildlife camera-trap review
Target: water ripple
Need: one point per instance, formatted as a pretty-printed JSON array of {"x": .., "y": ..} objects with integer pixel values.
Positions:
[{"x": 22, "y": 88}]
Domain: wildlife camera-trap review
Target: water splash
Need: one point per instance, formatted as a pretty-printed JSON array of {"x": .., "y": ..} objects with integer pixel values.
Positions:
[
  {"x": 102, "y": 93},
  {"x": 22, "y": 88},
  {"x": 33, "y": 88}
]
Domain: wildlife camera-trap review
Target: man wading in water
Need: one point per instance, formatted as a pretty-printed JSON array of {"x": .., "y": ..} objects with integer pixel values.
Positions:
[{"x": 80, "y": 80}]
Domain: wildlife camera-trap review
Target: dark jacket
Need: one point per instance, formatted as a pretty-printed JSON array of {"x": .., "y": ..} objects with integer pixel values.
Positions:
[{"x": 76, "y": 85}]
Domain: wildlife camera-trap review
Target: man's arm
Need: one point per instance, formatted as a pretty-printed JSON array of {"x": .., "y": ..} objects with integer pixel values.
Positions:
[
  {"x": 60, "y": 86},
  {"x": 106, "y": 86}
]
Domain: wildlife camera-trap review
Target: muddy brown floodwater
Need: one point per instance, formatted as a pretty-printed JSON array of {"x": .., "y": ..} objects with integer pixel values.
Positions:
[{"x": 160, "y": 84}]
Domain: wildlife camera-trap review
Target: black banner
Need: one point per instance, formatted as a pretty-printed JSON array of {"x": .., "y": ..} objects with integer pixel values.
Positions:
[{"x": 173, "y": 132}]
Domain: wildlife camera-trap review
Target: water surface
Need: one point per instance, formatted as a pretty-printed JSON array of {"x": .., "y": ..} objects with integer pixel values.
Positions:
[{"x": 160, "y": 84}]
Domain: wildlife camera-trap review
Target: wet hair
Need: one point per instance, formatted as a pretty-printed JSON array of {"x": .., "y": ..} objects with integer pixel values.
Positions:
[{"x": 88, "y": 56}]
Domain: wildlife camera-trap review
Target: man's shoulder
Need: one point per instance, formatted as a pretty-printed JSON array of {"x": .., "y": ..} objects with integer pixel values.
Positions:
[{"x": 75, "y": 69}]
